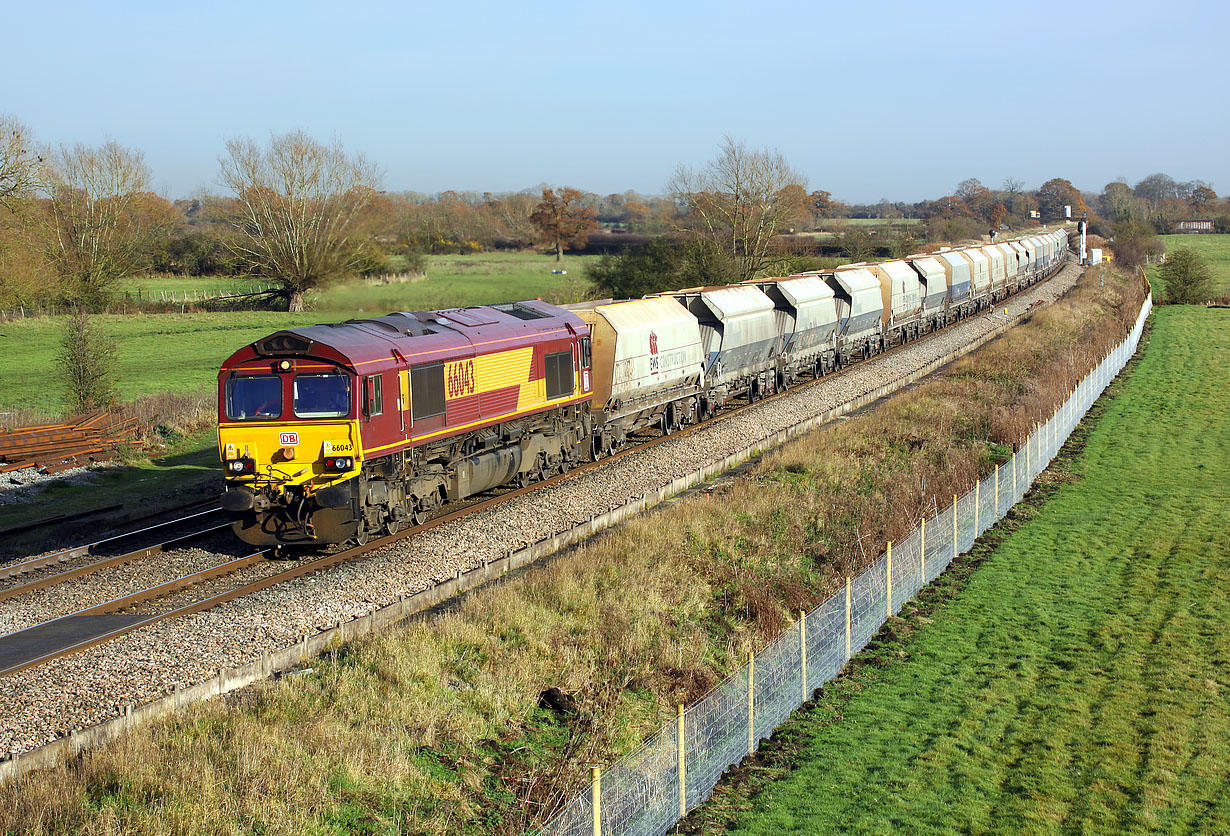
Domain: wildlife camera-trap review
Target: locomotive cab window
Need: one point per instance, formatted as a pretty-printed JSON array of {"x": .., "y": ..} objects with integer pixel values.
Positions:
[
  {"x": 321, "y": 396},
  {"x": 559, "y": 374},
  {"x": 254, "y": 398},
  {"x": 373, "y": 403},
  {"x": 586, "y": 355},
  {"x": 427, "y": 391}
]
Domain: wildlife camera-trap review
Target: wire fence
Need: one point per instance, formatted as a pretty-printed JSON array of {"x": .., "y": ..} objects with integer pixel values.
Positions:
[{"x": 650, "y": 789}]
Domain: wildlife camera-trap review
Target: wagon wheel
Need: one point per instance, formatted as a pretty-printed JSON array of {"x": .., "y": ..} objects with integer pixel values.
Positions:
[
  {"x": 392, "y": 525},
  {"x": 363, "y": 534}
]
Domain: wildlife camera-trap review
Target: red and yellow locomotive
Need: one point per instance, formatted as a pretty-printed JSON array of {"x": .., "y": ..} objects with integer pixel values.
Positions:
[{"x": 333, "y": 433}]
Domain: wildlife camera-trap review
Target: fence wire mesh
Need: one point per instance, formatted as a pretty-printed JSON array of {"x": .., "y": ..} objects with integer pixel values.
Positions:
[{"x": 639, "y": 795}]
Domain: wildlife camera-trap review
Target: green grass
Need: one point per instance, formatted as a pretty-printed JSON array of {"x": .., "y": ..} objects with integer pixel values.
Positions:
[
  {"x": 451, "y": 281},
  {"x": 155, "y": 352},
  {"x": 182, "y": 352},
  {"x": 1080, "y": 682},
  {"x": 457, "y": 281},
  {"x": 1214, "y": 249}
]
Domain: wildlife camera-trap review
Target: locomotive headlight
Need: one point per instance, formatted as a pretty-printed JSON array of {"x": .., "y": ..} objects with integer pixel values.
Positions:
[{"x": 284, "y": 365}]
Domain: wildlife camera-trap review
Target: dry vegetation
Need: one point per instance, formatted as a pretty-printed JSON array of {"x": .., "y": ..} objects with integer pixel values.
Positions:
[{"x": 435, "y": 728}]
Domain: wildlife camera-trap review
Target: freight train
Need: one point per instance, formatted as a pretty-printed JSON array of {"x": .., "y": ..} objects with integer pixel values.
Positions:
[{"x": 337, "y": 433}]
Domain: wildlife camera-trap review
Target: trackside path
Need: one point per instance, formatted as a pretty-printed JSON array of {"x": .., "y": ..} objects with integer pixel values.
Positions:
[{"x": 1079, "y": 680}]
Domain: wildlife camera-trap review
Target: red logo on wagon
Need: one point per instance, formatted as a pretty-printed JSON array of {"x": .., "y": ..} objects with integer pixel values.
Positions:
[
  {"x": 653, "y": 343},
  {"x": 288, "y": 439}
]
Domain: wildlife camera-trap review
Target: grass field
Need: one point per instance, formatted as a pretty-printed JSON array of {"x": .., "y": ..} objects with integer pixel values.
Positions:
[
  {"x": 1079, "y": 681},
  {"x": 182, "y": 352},
  {"x": 1214, "y": 249},
  {"x": 450, "y": 281}
]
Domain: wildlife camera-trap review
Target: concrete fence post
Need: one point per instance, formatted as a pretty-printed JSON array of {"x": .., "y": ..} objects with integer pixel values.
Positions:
[
  {"x": 888, "y": 579},
  {"x": 977, "y": 508},
  {"x": 751, "y": 703},
  {"x": 803, "y": 650},
  {"x": 955, "y": 547},
  {"x": 848, "y": 618},
  {"x": 597, "y": 799},
  {"x": 922, "y": 539},
  {"x": 683, "y": 773}
]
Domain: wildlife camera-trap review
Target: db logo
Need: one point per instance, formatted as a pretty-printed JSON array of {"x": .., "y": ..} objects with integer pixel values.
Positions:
[
  {"x": 653, "y": 343},
  {"x": 288, "y": 439}
]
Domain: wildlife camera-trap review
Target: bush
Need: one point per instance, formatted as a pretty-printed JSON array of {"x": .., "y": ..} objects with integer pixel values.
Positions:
[
  {"x": 660, "y": 265},
  {"x": 1188, "y": 280},
  {"x": 86, "y": 360}
]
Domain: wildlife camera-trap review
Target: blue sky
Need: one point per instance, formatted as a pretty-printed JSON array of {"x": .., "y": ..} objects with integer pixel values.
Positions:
[{"x": 868, "y": 100}]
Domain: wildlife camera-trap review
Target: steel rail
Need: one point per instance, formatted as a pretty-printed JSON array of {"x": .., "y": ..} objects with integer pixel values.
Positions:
[
  {"x": 123, "y": 602},
  {"x": 106, "y": 563},
  {"x": 11, "y": 570}
]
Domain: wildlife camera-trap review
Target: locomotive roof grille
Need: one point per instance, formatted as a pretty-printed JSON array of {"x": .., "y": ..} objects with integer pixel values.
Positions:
[
  {"x": 283, "y": 343},
  {"x": 520, "y": 311}
]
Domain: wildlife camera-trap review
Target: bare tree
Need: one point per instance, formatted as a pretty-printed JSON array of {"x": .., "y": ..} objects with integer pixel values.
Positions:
[
  {"x": 298, "y": 202},
  {"x": 20, "y": 164},
  {"x": 96, "y": 223},
  {"x": 738, "y": 202}
]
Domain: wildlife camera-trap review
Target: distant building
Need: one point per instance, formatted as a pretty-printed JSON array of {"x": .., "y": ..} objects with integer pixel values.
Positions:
[{"x": 1203, "y": 225}]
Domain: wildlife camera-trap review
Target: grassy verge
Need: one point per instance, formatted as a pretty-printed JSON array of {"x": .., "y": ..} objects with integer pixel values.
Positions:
[
  {"x": 436, "y": 728},
  {"x": 1077, "y": 683},
  {"x": 1214, "y": 249}
]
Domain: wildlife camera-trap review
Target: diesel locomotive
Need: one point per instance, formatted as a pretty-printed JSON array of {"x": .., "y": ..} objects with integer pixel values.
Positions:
[{"x": 337, "y": 433}]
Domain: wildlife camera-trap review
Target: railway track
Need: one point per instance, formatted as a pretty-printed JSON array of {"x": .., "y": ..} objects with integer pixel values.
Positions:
[
  {"x": 211, "y": 518},
  {"x": 55, "y": 638}
]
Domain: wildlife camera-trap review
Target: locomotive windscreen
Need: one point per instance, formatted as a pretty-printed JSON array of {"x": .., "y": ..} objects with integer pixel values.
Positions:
[
  {"x": 322, "y": 396},
  {"x": 254, "y": 398}
]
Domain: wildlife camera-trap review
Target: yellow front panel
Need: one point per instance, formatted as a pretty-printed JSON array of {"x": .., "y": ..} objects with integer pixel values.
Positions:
[{"x": 291, "y": 452}]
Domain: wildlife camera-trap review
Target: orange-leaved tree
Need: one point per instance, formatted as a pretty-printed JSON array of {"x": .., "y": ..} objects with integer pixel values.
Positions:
[{"x": 563, "y": 220}]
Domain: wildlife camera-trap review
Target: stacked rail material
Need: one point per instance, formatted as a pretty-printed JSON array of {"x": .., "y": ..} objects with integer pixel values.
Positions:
[{"x": 53, "y": 448}]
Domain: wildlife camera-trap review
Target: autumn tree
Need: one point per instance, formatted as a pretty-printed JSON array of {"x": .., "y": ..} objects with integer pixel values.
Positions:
[
  {"x": 99, "y": 218},
  {"x": 978, "y": 199},
  {"x": 823, "y": 205},
  {"x": 737, "y": 203},
  {"x": 998, "y": 212},
  {"x": 1202, "y": 197},
  {"x": 1057, "y": 193},
  {"x": 562, "y": 220},
  {"x": 298, "y": 201},
  {"x": 20, "y": 164}
]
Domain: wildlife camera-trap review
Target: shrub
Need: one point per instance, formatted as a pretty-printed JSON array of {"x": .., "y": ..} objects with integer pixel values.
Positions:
[
  {"x": 86, "y": 361},
  {"x": 1187, "y": 278}
]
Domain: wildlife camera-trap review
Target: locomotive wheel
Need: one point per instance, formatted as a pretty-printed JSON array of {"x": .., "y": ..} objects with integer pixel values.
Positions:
[
  {"x": 363, "y": 535},
  {"x": 392, "y": 525}
]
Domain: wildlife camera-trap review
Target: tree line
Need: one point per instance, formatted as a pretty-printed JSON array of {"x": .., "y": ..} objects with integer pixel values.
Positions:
[{"x": 298, "y": 213}]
